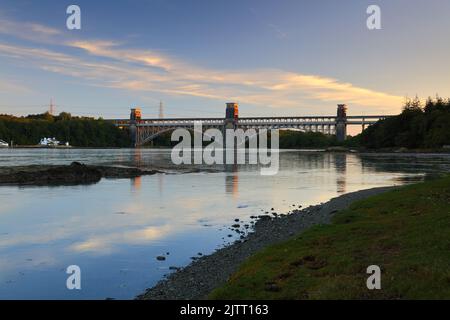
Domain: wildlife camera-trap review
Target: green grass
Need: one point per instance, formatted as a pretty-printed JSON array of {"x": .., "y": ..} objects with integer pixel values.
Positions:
[{"x": 406, "y": 232}]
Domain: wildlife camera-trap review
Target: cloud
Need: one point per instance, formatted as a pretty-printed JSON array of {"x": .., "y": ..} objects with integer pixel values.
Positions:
[
  {"x": 109, "y": 49},
  {"x": 9, "y": 86},
  {"x": 28, "y": 31},
  {"x": 280, "y": 33},
  {"x": 280, "y": 88},
  {"x": 105, "y": 243},
  {"x": 110, "y": 64},
  {"x": 41, "y": 29}
]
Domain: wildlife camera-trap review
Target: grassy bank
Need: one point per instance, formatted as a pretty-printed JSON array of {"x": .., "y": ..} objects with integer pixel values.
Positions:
[{"x": 406, "y": 232}]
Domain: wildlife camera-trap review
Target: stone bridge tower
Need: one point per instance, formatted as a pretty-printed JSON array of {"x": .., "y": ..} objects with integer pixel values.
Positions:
[
  {"x": 135, "y": 117},
  {"x": 231, "y": 115},
  {"x": 341, "y": 122},
  {"x": 231, "y": 119}
]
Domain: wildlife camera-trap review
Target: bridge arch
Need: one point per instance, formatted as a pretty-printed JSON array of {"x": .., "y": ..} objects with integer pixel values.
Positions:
[
  {"x": 150, "y": 137},
  {"x": 146, "y": 136}
]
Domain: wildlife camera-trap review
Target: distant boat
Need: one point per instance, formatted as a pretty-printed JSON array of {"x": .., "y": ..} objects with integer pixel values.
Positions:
[{"x": 3, "y": 144}]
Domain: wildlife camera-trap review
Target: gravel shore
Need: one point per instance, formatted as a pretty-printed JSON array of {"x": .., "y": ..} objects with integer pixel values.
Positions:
[{"x": 199, "y": 278}]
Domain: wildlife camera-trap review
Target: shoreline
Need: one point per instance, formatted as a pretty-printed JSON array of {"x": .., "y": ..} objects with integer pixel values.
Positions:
[
  {"x": 333, "y": 150},
  {"x": 208, "y": 272},
  {"x": 78, "y": 173}
]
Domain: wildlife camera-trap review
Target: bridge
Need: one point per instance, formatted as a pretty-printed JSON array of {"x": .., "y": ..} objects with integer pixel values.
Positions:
[{"x": 145, "y": 130}]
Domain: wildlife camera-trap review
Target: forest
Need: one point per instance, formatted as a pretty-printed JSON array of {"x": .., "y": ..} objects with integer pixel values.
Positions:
[
  {"x": 419, "y": 126},
  {"x": 78, "y": 131}
]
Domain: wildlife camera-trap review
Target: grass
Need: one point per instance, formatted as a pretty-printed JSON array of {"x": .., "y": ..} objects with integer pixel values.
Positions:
[{"x": 406, "y": 232}]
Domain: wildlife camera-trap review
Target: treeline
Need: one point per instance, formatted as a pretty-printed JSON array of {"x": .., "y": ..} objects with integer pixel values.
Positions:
[
  {"x": 290, "y": 139},
  {"x": 420, "y": 125},
  {"x": 78, "y": 131}
]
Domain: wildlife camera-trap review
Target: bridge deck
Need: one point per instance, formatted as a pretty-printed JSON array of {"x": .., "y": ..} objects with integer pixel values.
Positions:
[
  {"x": 253, "y": 118},
  {"x": 254, "y": 121}
]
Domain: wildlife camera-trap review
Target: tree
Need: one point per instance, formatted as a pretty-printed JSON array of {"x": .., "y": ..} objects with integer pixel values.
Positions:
[{"x": 415, "y": 127}]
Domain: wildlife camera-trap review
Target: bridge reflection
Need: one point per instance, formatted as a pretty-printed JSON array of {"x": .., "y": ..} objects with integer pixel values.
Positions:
[
  {"x": 136, "y": 183},
  {"x": 327, "y": 166},
  {"x": 319, "y": 165},
  {"x": 340, "y": 165},
  {"x": 232, "y": 180}
]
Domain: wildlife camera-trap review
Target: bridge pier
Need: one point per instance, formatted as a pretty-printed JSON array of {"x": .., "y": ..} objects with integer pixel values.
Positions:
[
  {"x": 231, "y": 120},
  {"x": 135, "y": 117},
  {"x": 133, "y": 134},
  {"x": 341, "y": 123}
]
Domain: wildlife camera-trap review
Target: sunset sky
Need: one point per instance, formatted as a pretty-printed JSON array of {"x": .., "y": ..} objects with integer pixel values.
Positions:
[{"x": 272, "y": 57}]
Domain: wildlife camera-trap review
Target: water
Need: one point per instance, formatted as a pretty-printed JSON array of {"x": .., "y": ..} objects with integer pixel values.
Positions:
[{"x": 115, "y": 229}]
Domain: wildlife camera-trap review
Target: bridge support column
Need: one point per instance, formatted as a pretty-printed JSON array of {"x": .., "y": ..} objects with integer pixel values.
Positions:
[
  {"x": 341, "y": 131},
  {"x": 231, "y": 120},
  {"x": 341, "y": 123},
  {"x": 135, "y": 116},
  {"x": 133, "y": 134}
]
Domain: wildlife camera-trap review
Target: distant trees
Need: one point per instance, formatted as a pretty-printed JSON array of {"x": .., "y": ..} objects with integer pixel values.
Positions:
[
  {"x": 290, "y": 139},
  {"x": 78, "y": 131},
  {"x": 418, "y": 126}
]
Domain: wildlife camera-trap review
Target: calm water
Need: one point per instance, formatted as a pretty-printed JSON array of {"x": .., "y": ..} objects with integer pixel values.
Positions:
[{"x": 115, "y": 229}]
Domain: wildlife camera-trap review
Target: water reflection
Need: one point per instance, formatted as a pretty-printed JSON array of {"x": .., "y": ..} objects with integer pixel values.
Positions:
[
  {"x": 138, "y": 157},
  {"x": 340, "y": 164},
  {"x": 232, "y": 180},
  {"x": 136, "y": 183},
  {"x": 114, "y": 229}
]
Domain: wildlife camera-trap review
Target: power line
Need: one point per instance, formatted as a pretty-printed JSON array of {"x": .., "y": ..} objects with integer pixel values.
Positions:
[
  {"x": 161, "y": 114},
  {"x": 78, "y": 110},
  {"x": 62, "y": 106},
  {"x": 52, "y": 107}
]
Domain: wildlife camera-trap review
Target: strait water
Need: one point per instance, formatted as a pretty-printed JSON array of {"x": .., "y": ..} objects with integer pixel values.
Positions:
[{"x": 115, "y": 229}]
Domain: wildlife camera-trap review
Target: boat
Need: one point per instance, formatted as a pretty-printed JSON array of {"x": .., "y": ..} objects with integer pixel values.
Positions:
[{"x": 3, "y": 144}]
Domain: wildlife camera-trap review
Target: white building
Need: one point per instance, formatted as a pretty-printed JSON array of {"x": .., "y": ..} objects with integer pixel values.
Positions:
[
  {"x": 3, "y": 144},
  {"x": 49, "y": 142}
]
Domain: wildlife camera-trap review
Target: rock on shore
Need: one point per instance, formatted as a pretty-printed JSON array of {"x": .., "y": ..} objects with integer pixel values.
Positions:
[{"x": 73, "y": 174}]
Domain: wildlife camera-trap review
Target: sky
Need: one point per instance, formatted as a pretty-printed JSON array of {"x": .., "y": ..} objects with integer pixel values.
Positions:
[{"x": 281, "y": 57}]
